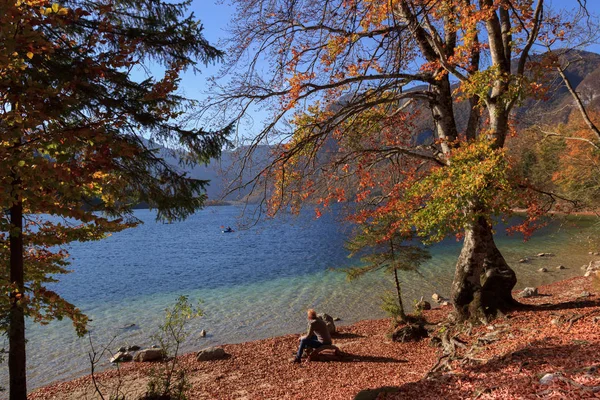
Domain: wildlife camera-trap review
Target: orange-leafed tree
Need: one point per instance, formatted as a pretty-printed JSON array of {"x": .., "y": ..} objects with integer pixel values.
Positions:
[
  {"x": 77, "y": 140},
  {"x": 403, "y": 106}
]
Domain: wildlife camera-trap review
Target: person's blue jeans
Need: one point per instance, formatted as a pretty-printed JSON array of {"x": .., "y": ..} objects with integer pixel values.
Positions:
[{"x": 307, "y": 342}]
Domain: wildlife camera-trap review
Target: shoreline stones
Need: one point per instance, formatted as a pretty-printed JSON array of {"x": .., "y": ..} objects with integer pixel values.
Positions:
[
  {"x": 202, "y": 333},
  {"x": 121, "y": 356},
  {"x": 528, "y": 292},
  {"x": 423, "y": 305},
  {"x": 543, "y": 269},
  {"x": 211, "y": 353},
  {"x": 561, "y": 267},
  {"x": 149, "y": 355},
  {"x": 592, "y": 268}
]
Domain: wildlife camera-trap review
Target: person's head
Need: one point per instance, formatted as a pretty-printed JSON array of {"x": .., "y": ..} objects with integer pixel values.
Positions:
[{"x": 311, "y": 314}]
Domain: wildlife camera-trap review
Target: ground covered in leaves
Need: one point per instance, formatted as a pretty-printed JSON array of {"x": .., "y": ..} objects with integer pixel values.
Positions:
[{"x": 559, "y": 335}]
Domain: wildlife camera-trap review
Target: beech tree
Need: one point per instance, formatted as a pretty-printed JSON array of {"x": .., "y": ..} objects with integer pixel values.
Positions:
[
  {"x": 355, "y": 85},
  {"x": 78, "y": 140}
]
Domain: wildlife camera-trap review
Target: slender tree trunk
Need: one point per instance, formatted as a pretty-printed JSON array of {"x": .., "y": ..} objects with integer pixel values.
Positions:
[
  {"x": 399, "y": 293},
  {"x": 16, "y": 330},
  {"x": 483, "y": 281}
]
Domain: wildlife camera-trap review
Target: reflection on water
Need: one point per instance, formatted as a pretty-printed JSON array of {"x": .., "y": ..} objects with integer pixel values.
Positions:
[{"x": 254, "y": 283}]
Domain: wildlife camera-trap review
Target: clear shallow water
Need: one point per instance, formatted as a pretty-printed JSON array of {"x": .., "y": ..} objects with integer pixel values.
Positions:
[{"x": 254, "y": 283}]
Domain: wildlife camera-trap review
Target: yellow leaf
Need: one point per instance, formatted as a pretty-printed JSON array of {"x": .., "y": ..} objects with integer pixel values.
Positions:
[
  {"x": 63, "y": 11},
  {"x": 55, "y": 7},
  {"x": 29, "y": 55}
]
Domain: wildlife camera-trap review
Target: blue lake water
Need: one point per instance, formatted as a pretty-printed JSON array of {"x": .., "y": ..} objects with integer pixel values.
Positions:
[{"x": 254, "y": 283}]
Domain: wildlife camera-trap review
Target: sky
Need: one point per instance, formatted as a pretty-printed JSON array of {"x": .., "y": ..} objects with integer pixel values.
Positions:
[{"x": 215, "y": 18}]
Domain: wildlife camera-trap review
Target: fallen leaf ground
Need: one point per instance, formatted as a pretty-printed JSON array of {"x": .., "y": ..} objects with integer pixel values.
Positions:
[{"x": 532, "y": 342}]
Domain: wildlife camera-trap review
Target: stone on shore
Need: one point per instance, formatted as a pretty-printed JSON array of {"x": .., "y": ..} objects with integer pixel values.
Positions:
[
  {"x": 437, "y": 298},
  {"x": 528, "y": 292},
  {"x": 548, "y": 378},
  {"x": 211, "y": 353},
  {"x": 202, "y": 333},
  {"x": 133, "y": 348},
  {"x": 592, "y": 268},
  {"x": 147, "y": 355},
  {"x": 561, "y": 267},
  {"x": 524, "y": 260},
  {"x": 543, "y": 269},
  {"x": 329, "y": 322},
  {"x": 121, "y": 356},
  {"x": 423, "y": 305}
]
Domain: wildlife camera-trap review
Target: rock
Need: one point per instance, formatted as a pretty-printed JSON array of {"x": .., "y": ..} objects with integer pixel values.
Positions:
[
  {"x": 121, "y": 350},
  {"x": 133, "y": 348},
  {"x": 337, "y": 319},
  {"x": 211, "y": 353},
  {"x": 409, "y": 333},
  {"x": 121, "y": 356},
  {"x": 585, "y": 294},
  {"x": 524, "y": 260},
  {"x": 554, "y": 321},
  {"x": 149, "y": 355},
  {"x": 155, "y": 346},
  {"x": 592, "y": 267},
  {"x": 561, "y": 267},
  {"x": 541, "y": 254},
  {"x": 328, "y": 321},
  {"x": 548, "y": 379},
  {"x": 444, "y": 303},
  {"x": 202, "y": 333},
  {"x": 596, "y": 253},
  {"x": 591, "y": 253},
  {"x": 529, "y": 292},
  {"x": 423, "y": 305},
  {"x": 543, "y": 269},
  {"x": 437, "y": 298}
]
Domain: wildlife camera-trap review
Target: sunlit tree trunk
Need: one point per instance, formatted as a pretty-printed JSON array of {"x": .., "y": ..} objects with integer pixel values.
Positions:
[{"x": 483, "y": 281}]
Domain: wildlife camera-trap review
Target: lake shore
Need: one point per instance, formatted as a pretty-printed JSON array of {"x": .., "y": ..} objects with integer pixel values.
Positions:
[{"x": 559, "y": 334}]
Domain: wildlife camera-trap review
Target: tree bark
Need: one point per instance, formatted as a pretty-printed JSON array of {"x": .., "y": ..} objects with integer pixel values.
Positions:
[
  {"x": 16, "y": 330},
  {"x": 483, "y": 281},
  {"x": 399, "y": 293}
]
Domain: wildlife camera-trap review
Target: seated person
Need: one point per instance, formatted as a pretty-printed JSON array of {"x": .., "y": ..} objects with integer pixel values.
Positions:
[{"x": 316, "y": 336}]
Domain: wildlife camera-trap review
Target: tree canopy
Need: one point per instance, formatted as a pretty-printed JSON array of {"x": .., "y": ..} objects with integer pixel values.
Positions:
[
  {"x": 403, "y": 107},
  {"x": 80, "y": 136}
]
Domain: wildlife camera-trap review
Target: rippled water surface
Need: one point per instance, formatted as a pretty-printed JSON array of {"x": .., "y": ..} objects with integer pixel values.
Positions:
[{"x": 254, "y": 283}]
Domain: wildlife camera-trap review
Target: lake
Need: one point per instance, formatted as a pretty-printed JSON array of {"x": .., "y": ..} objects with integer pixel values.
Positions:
[{"x": 253, "y": 283}]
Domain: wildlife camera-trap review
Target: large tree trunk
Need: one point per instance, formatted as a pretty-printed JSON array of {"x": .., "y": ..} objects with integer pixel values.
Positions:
[
  {"x": 483, "y": 281},
  {"x": 16, "y": 330}
]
